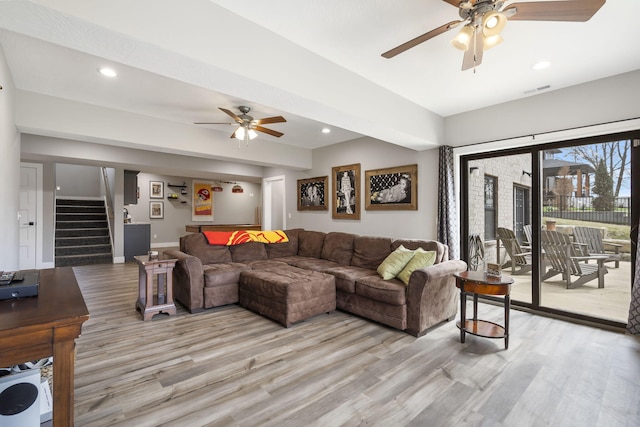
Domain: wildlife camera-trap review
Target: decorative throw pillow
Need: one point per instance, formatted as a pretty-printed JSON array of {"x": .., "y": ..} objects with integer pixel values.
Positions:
[
  {"x": 394, "y": 263},
  {"x": 421, "y": 259}
]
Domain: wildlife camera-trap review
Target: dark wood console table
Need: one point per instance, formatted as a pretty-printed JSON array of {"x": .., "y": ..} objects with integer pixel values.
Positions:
[
  {"x": 478, "y": 283},
  {"x": 47, "y": 325},
  {"x": 197, "y": 228}
]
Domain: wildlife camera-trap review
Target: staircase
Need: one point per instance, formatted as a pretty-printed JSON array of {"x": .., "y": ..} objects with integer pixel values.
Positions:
[{"x": 82, "y": 233}]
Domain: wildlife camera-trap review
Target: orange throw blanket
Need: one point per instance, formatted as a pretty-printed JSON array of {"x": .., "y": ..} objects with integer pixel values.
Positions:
[{"x": 229, "y": 238}]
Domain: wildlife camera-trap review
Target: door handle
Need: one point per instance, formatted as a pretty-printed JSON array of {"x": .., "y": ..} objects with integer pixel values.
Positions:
[{"x": 30, "y": 223}]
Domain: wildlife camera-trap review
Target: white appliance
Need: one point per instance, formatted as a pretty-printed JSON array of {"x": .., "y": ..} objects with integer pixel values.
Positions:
[{"x": 20, "y": 399}]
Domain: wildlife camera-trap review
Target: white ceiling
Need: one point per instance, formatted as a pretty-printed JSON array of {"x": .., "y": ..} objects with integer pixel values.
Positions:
[{"x": 316, "y": 62}]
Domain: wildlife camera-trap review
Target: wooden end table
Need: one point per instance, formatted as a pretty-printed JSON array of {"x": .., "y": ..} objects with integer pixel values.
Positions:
[
  {"x": 478, "y": 283},
  {"x": 162, "y": 269}
]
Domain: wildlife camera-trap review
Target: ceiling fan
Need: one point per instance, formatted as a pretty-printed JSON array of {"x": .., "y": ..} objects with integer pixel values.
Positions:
[
  {"x": 247, "y": 125},
  {"x": 484, "y": 20}
]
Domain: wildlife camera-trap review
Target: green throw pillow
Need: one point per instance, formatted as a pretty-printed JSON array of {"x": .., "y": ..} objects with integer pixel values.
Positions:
[
  {"x": 421, "y": 259},
  {"x": 394, "y": 263}
]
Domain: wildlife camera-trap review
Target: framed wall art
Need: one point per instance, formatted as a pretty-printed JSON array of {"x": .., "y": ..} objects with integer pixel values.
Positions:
[
  {"x": 392, "y": 188},
  {"x": 202, "y": 206},
  {"x": 156, "y": 210},
  {"x": 312, "y": 194},
  {"x": 346, "y": 192},
  {"x": 156, "y": 190}
]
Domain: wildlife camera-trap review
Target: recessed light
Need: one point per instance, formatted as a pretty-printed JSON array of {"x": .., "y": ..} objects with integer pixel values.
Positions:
[
  {"x": 326, "y": 130},
  {"x": 541, "y": 65},
  {"x": 107, "y": 72}
]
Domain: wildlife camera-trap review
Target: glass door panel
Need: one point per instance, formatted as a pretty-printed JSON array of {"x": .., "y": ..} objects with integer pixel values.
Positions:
[
  {"x": 498, "y": 206},
  {"x": 586, "y": 218}
]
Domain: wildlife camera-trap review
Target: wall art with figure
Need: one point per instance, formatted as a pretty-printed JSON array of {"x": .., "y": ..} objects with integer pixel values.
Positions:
[
  {"x": 346, "y": 192},
  {"x": 392, "y": 188},
  {"x": 312, "y": 194}
]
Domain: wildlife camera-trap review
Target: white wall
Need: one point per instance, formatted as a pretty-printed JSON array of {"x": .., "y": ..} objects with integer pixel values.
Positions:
[
  {"x": 78, "y": 181},
  {"x": 598, "y": 107},
  {"x": 228, "y": 207},
  {"x": 10, "y": 170},
  {"x": 371, "y": 154}
]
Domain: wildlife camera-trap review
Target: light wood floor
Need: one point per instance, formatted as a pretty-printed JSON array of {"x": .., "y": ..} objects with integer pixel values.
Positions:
[{"x": 230, "y": 367}]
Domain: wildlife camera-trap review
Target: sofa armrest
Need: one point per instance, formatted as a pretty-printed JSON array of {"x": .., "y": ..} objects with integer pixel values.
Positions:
[
  {"x": 432, "y": 296},
  {"x": 188, "y": 280}
]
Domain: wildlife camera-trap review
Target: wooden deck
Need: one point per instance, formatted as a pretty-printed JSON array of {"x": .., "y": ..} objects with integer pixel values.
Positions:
[{"x": 231, "y": 367}]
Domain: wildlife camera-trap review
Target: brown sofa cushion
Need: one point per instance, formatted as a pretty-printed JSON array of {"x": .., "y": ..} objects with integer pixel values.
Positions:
[
  {"x": 250, "y": 251},
  {"x": 278, "y": 250},
  {"x": 310, "y": 243},
  {"x": 195, "y": 244},
  {"x": 338, "y": 247},
  {"x": 369, "y": 252},
  {"x": 222, "y": 273},
  {"x": 376, "y": 288},
  {"x": 346, "y": 276}
]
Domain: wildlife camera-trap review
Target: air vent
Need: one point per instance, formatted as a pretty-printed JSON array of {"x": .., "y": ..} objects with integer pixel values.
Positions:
[{"x": 538, "y": 89}]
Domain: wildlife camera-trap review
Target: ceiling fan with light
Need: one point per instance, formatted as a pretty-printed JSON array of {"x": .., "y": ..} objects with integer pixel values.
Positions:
[
  {"x": 483, "y": 20},
  {"x": 247, "y": 125}
]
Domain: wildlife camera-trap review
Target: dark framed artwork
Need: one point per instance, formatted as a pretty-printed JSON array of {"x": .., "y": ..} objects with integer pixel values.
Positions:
[
  {"x": 312, "y": 194},
  {"x": 156, "y": 210},
  {"x": 346, "y": 192},
  {"x": 392, "y": 188},
  {"x": 156, "y": 190}
]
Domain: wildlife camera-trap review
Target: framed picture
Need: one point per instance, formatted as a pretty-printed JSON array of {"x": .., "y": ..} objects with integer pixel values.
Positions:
[
  {"x": 156, "y": 190},
  {"x": 392, "y": 188},
  {"x": 312, "y": 194},
  {"x": 156, "y": 210},
  {"x": 202, "y": 200},
  {"x": 346, "y": 192}
]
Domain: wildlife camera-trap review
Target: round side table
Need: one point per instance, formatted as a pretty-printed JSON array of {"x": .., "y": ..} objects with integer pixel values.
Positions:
[{"x": 478, "y": 283}]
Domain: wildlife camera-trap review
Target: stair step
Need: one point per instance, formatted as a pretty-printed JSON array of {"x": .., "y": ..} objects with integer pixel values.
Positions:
[
  {"x": 79, "y": 209},
  {"x": 80, "y": 224},
  {"x": 79, "y": 202},
  {"x": 75, "y": 260},
  {"x": 81, "y": 216},
  {"x": 82, "y": 240},
  {"x": 82, "y": 232},
  {"x": 83, "y": 250}
]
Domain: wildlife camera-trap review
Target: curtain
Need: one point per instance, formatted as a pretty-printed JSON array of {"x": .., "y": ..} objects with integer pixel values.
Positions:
[
  {"x": 447, "y": 211},
  {"x": 633, "y": 325}
]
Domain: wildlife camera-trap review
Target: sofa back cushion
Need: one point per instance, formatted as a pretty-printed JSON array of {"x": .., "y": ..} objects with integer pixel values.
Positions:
[
  {"x": 338, "y": 247},
  {"x": 195, "y": 244},
  {"x": 247, "y": 252},
  {"x": 310, "y": 243},
  {"x": 442, "y": 250},
  {"x": 369, "y": 252},
  {"x": 290, "y": 248}
]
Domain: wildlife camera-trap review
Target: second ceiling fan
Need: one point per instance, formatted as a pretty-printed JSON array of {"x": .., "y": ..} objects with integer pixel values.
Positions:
[
  {"x": 247, "y": 125},
  {"x": 484, "y": 20}
]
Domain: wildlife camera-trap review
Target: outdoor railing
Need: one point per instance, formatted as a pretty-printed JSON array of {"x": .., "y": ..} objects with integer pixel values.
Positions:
[{"x": 581, "y": 209}]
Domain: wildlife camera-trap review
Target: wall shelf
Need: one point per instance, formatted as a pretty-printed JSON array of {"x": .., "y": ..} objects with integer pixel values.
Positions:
[{"x": 183, "y": 185}]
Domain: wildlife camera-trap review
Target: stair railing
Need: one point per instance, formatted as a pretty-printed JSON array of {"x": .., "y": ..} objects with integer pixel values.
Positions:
[{"x": 108, "y": 201}]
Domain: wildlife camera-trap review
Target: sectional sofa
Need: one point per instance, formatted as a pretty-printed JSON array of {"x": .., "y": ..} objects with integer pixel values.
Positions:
[{"x": 316, "y": 272}]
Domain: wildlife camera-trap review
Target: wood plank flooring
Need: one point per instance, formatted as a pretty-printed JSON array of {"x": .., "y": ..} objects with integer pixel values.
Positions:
[{"x": 231, "y": 367}]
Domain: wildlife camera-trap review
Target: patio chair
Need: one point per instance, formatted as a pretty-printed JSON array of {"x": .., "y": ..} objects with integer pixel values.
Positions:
[
  {"x": 592, "y": 238},
  {"x": 528, "y": 236},
  {"x": 564, "y": 257},
  {"x": 520, "y": 259}
]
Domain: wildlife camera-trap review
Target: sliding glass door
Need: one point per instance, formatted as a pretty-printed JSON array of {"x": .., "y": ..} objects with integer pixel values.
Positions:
[{"x": 557, "y": 218}]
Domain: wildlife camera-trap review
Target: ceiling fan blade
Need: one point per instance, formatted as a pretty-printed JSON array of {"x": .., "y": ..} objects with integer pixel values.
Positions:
[
  {"x": 569, "y": 10},
  {"x": 473, "y": 55},
  {"x": 269, "y": 131},
  {"x": 456, "y": 3},
  {"x": 231, "y": 114},
  {"x": 420, "y": 39},
  {"x": 267, "y": 120},
  {"x": 214, "y": 123}
]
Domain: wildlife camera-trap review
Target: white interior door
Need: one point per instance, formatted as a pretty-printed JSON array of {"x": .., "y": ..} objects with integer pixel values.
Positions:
[
  {"x": 28, "y": 210},
  {"x": 274, "y": 203}
]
